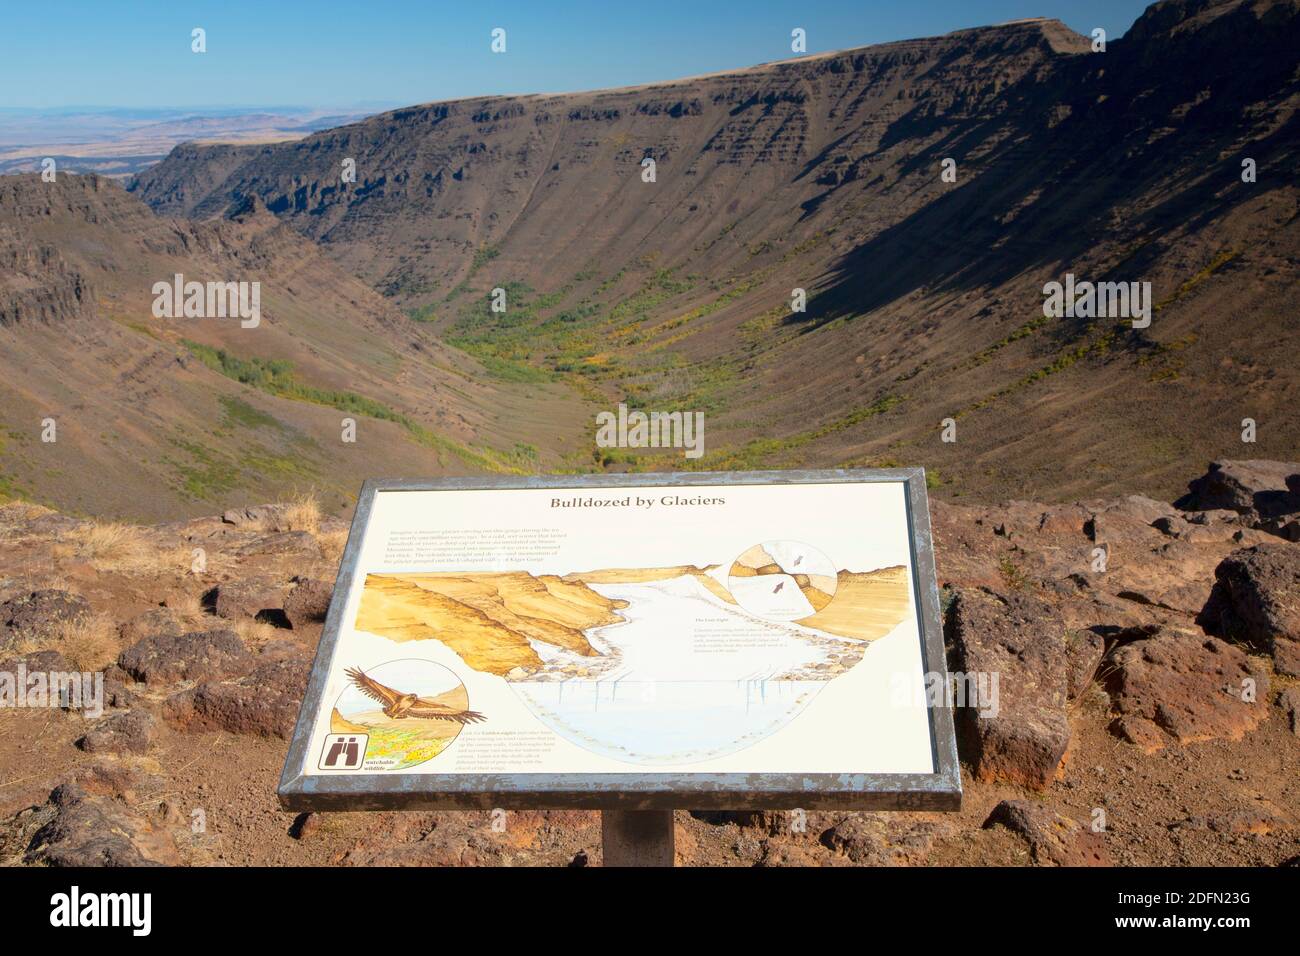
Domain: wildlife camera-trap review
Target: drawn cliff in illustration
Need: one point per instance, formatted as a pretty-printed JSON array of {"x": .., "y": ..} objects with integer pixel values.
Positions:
[{"x": 653, "y": 665}]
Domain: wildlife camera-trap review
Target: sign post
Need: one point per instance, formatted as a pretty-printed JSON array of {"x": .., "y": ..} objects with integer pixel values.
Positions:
[
  {"x": 633, "y": 644},
  {"x": 637, "y": 837}
]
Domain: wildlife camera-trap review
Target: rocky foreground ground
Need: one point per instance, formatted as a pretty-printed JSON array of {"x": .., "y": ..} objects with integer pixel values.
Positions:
[{"x": 1148, "y": 657}]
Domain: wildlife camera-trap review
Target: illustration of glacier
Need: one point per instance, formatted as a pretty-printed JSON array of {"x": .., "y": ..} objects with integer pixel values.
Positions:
[{"x": 653, "y": 665}]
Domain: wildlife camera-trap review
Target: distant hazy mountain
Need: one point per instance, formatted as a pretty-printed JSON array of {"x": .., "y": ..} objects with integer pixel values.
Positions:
[{"x": 121, "y": 142}]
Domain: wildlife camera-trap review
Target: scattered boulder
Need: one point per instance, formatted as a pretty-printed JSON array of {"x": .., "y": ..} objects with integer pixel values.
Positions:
[
  {"x": 1063, "y": 520},
  {"x": 1053, "y": 838},
  {"x": 308, "y": 602},
  {"x": 114, "y": 778},
  {"x": 1187, "y": 598},
  {"x": 283, "y": 650},
  {"x": 1084, "y": 652},
  {"x": 1257, "y": 598},
  {"x": 156, "y": 621},
  {"x": 42, "y": 661},
  {"x": 1139, "y": 732},
  {"x": 1286, "y": 658},
  {"x": 233, "y": 600},
  {"x": 284, "y": 543},
  {"x": 198, "y": 655},
  {"x": 115, "y": 692},
  {"x": 131, "y": 732},
  {"x": 1289, "y": 701},
  {"x": 90, "y": 830},
  {"x": 1266, "y": 494},
  {"x": 256, "y": 517},
  {"x": 40, "y": 607},
  {"x": 1115, "y": 519},
  {"x": 1024, "y": 739},
  {"x": 305, "y": 826},
  {"x": 263, "y": 703},
  {"x": 42, "y": 677},
  {"x": 885, "y": 839},
  {"x": 37, "y": 611},
  {"x": 1185, "y": 688}
]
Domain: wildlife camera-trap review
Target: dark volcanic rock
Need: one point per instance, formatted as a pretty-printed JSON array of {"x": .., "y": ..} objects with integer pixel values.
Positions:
[
  {"x": 114, "y": 778},
  {"x": 255, "y": 517},
  {"x": 152, "y": 623},
  {"x": 1257, "y": 598},
  {"x": 239, "y": 599},
  {"x": 199, "y": 655},
  {"x": 45, "y": 661},
  {"x": 264, "y": 703},
  {"x": 885, "y": 839},
  {"x": 1052, "y": 838},
  {"x": 89, "y": 830},
  {"x": 1185, "y": 688},
  {"x": 1084, "y": 652},
  {"x": 1018, "y": 638},
  {"x": 308, "y": 602},
  {"x": 283, "y": 543},
  {"x": 1259, "y": 489},
  {"x": 39, "y": 610},
  {"x": 131, "y": 732}
]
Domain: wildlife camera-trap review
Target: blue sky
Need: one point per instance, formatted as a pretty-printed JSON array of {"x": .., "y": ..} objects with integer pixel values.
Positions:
[{"x": 379, "y": 52}]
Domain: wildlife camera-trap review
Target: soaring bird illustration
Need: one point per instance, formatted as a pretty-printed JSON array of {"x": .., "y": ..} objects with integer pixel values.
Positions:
[{"x": 398, "y": 705}]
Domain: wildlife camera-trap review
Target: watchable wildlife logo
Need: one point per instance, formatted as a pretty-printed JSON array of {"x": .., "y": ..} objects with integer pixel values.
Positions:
[
  {"x": 638, "y": 429},
  {"x": 1098, "y": 300},
  {"x": 208, "y": 300}
]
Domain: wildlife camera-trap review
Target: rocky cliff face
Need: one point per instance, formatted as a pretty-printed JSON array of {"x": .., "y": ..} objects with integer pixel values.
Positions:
[
  {"x": 39, "y": 286},
  {"x": 156, "y": 416},
  {"x": 766, "y": 145},
  {"x": 824, "y": 174},
  {"x": 1158, "y": 685}
]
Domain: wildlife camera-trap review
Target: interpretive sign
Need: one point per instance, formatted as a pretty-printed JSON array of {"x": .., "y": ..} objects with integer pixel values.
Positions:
[{"x": 650, "y": 641}]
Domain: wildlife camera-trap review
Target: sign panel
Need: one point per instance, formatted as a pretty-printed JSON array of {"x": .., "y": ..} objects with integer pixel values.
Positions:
[{"x": 725, "y": 640}]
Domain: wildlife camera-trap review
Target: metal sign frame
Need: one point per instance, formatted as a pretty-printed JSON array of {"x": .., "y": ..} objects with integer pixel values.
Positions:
[{"x": 657, "y": 790}]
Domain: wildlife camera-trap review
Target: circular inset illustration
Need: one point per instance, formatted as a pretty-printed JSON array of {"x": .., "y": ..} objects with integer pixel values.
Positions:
[
  {"x": 782, "y": 580},
  {"x": 397, "y": 714}
]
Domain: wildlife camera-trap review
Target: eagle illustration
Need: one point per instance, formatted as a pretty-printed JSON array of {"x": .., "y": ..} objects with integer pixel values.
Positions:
[{"x": 398, "y": 705}]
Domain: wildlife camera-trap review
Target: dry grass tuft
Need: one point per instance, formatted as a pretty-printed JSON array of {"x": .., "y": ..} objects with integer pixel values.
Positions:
[
  {"x": 255, "y": 633},
  {"x": 300, "y": 513},
  {"x": 189, "y": 608},
  {"x": 106, "y": 543},
  {"x": 122, "y": 548},
  {"x": 89, "y": 643},
  {"x": 332, "y": 544}
]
